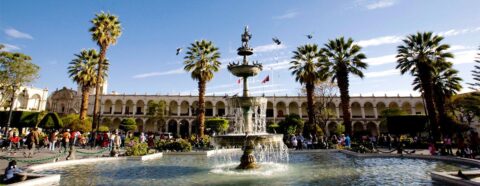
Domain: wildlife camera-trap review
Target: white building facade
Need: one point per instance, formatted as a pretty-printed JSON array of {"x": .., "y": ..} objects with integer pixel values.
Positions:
[{"x": 28, "y": 99}]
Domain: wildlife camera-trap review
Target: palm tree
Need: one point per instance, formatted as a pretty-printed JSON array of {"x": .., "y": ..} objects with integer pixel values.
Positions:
[
  {"x": 341, "y": 58},
  {"x": 418, "y": 55},
  {"x": 83, "y": 71},
  {"x": 105, "y": 31},
  {"x": 446, "y": 84},
  {"x": 202, "y": 61},
  {"x": 305, "y": 68}
]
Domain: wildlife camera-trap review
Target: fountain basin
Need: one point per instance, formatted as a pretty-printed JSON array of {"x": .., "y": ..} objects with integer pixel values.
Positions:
[
  {"x": 232, "y": 140},
  {"x": 245, "y": 70}
]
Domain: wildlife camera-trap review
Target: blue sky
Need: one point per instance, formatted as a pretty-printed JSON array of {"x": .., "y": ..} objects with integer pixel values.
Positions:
[{"x": 144, "y": 60}]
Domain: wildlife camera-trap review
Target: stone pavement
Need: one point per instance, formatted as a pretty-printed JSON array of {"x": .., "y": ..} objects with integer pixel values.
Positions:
[{"x": 45, "y": 156}]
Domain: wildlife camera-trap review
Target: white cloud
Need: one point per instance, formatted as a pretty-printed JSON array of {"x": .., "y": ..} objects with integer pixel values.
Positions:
[
  {"x": 384, "y": 73},
  {"x": 269, "y": 48},
  {"x": 285, "y": 64},
  {"x": 465, "y": 56},
  {"x": 287, "y": 15},
  {"x": 372, "y": 5},
  {"x": 152, "y": 74},
  {"x": 381, "y": 60},
  {"x": 9, "y": 47},
  {"x": 380, "y": 41},
  {"x": 11, "y": 32},
  {"x": 454, "y": 32}
]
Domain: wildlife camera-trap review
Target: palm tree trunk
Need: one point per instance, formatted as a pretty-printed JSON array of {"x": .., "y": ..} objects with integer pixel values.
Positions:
[
  {"x": 443, "y": 120},
  {"x": 84, "y": 105},
  {"x": 201, "y": 107},
  {"x": 426, "y": 79},
  {"x": 310, "y": 105},
  {"x": 98, "y": 92},
  {"x": 342, "y": 80}
]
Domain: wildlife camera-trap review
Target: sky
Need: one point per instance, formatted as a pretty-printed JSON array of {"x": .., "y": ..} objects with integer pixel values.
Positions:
[{"x": 144, "y": 62}]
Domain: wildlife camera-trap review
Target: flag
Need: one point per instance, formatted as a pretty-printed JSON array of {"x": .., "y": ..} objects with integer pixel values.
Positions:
[
  {"x": 267, "y": 79},
  {"x": 238, "y": 81}
]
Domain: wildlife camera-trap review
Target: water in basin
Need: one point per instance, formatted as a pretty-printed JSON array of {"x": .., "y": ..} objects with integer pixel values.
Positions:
[{"x": 302, "y": 169}]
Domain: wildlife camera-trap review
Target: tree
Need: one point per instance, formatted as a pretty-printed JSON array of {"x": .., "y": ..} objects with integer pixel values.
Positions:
[
  {"x": 219, "y": 125},
  {"x": 305, "y": 68},
  {"x": 325, "y": 92},
  {"x": 128, "y": 124},
  {"x": 291, "y": 125},
  {"x": 202, "y": 61},
  {"x": 476, "y": 76},
  {"x": 465, "y": 107},
  {"x": 16, "y": 70},
  {"x": 83, "y": 70},
  {"x": 72, "y": 121},
  {"x": 419, "y": 55},
  {"x": 446, "y": 84},
  {"x": 157, "y": 111},
  {"x": 105, "y": 31},
  {"x": 340, "y": 59}
]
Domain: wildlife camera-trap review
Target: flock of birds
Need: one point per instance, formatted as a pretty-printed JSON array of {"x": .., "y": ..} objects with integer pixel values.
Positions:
[{"x": 275, "y": 40}]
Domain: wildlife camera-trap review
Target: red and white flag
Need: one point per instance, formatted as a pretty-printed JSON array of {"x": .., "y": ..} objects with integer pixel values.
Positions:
[
  {"x": 267, "y": 79},
  {"x": 239, "y": 81}
]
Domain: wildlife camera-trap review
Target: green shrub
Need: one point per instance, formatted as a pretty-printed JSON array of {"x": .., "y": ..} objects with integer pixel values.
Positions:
[
  {"x": 138, "y": 149},
  {"x": 218, "y": 125},
  {"x": 128, "y": 124},
  {"x": 179, "y": 145},
  {"x": 103, "y": 128}
]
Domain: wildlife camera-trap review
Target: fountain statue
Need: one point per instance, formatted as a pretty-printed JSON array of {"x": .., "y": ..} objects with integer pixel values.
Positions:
[{"x": 249, "y": 113}]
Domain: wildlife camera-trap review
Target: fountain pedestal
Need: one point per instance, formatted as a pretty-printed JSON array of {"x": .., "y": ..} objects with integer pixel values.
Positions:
[{"x": 248, "y": 160}]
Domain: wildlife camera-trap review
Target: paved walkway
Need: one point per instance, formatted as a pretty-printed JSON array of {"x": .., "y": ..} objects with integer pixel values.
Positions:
[{"x": 46, "y": 156}]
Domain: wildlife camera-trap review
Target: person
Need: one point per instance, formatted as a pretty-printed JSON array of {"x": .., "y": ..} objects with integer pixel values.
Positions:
[
  {"x": 448, "y": 145},
  {"x": 294, "y": 142},
  {"x": 66, "y": 139},
  {"x": 32, "y": 141},
  {"x": 389, "y": 142},
  {"x": 347, "y": 141},
  {"x": 10, "y": 172},
  {"x": 142, "y": 137},
  {"x": 432, "y": 149},
  {"x": 14, "y": 141}
]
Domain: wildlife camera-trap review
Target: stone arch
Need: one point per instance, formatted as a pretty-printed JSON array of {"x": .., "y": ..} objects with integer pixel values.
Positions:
[
  {"x": 208, "y": 108},
  {"x": 419, "y": 108},
  {"x": 407, "y": 107},
  {"x": 172, "y": 127},
  {"x": 194, "y": 107},
  {"x": 184, "y": 107},
  {"x": 393, "y": 105},
  {"x": 356, "y": 110},
  {"x": 332, "y": 109},
  {"x": 304, "y": 109},
  {"x": 220, "y": 106},
  {"x": 372, "y": 128},
  {"x": 36, "y": 101},
  {"x": 173, "y": 108},
  {"x": 115, "y": 124},
  {"x": 129, "y": 107},
  {"x": 118, "y": 107},
  {"x": 194, "y": 126},
  {"x": 184, "y": 128},
  {"x": 281, "y": 109},
  {"x": 108, "y": 107},
  {"x": 369, "y": 110},
  {"x": 139, "y": 123},
  {"x": 380, "y": 108},
  {"x": 293, "y": 108},
  {"x": 150, "y": 109},
  {"x": 270, "y": 109},
  {"x": 332, "y": 127},
  {"x": 149, "y": 125},
  {"x": 358, "y": 127},
  {"x": 140, "y": 107}
]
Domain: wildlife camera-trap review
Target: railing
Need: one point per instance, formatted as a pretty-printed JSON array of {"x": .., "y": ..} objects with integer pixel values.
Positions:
[
  {"x": 139, "y": 113},
  {"x": 117, "y": 112}
]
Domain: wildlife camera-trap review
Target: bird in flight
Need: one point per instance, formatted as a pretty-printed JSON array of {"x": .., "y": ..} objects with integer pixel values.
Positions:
[
  {"x": 179, "y": 50},
  {"x": 276, "y": 41},
  {"x": 309, "y": 36}
]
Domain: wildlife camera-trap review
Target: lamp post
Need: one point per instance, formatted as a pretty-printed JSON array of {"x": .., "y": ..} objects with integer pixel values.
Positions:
[{"x": 10, "y": 112}]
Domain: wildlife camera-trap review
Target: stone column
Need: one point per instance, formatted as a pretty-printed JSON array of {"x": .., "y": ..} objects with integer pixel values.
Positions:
[
  {"x": 123, "y": 108},
  {"x": 145, "y": 109},
  {"x": 287, "y": 110},
  {"x": 189, "y": 128},
  {"x": 338, "y": 111},
  {"x": 413, "y": 111},
  {"x": 214, "y": 110},
  {"x": 179, "y": 109},
  {"x": 144, "y": 125},
  {"x": 134, "y": 109},
  {"x": 274, "y": 113},
  {"x": 178, "y": 128},
  {"x": 300, "y": 111},
  {"x": 375, "y": 112},
  {"x": 363, "y": 112}
]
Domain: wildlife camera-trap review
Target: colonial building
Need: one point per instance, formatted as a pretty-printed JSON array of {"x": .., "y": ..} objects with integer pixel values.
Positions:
[
  {"x": 180, "y": 117},
  {"x": 28, "y": 99}
]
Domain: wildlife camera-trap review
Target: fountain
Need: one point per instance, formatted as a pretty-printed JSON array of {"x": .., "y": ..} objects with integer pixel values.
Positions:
[{"x": 250, "y": 116}]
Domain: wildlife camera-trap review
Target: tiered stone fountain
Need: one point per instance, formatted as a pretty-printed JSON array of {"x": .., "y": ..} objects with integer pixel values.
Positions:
[{"x": 250, "y": 114}]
